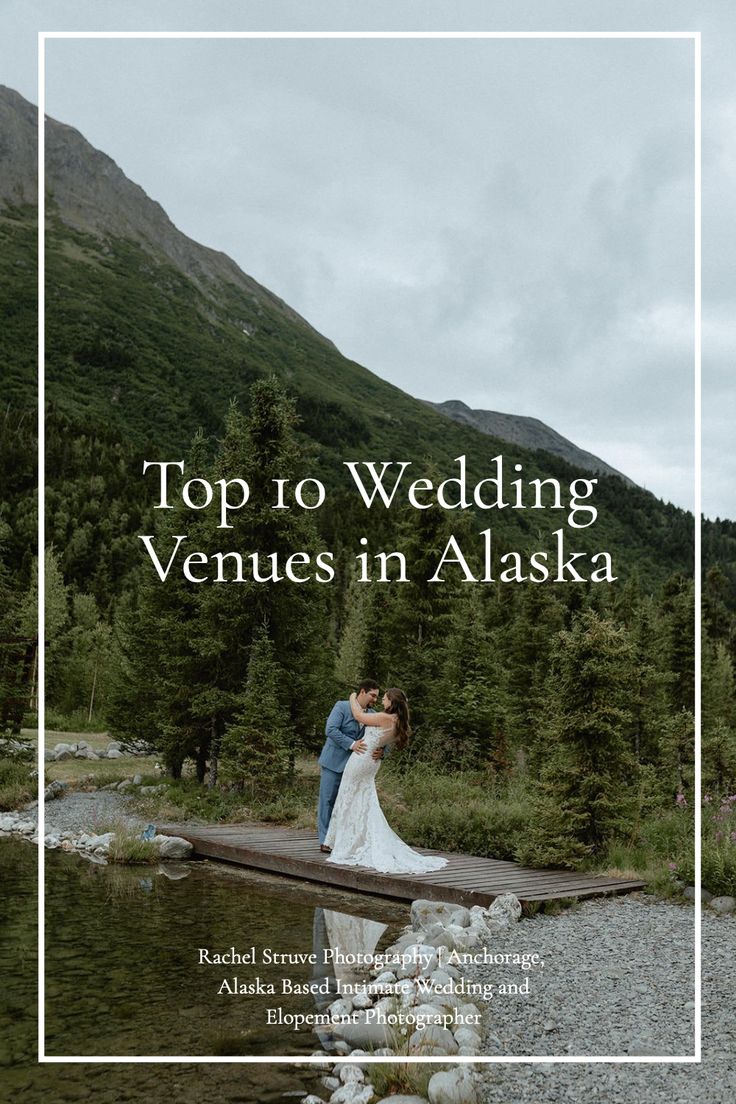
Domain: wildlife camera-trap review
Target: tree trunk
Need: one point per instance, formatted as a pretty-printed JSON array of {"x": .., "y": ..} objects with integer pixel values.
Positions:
[
  {"x": 94, "y": 685},
  {"x": 201, "y": 762},
  {"x": 216, "y": 736}
]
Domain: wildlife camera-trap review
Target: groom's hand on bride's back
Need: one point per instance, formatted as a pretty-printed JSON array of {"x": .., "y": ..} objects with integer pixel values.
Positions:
[{"x": 359, "y": 746}]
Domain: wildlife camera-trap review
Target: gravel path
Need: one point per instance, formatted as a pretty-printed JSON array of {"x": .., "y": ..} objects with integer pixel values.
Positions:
[
  {"x": 617, "y": 979},
  {"x": 78, "y": 812}
]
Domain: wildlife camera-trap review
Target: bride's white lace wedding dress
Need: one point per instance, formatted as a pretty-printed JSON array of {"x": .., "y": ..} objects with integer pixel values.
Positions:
[{"x": 359, "y": 833}]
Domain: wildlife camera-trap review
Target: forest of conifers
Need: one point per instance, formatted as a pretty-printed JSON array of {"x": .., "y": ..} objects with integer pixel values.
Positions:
[{"x": 585, "y": 691}]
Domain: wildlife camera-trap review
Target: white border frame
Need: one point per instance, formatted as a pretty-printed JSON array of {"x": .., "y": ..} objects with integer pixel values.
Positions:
[{"x": 43, "y": 36}]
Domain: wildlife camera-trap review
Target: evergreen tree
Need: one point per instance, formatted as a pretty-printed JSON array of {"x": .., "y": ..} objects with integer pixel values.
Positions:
[
  {"x": 718, "y": 718},
  {"x": 586, "y": 794},
  {"x": 469, "y": 706},
  {"x": 256, "y": 746}
]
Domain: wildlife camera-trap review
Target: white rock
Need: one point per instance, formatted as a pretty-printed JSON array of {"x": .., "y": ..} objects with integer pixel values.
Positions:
[
  {"x": 342, "y": 1007},
  {"x": 418, "y": 958},
  {"x": 312, "y": 1099},
  {"x": 65, "y": 753},
  {"x": 173, "y": 847},
  {"x": 470, "y": 1014},
  {"x": 402, "y": 1098},
  {"x": 352, "y": 1093},
  {"x": 466, "y": 1037},
  {"x": 723, "y": 905},
  {"x": 331, "y": 1083},
  {"x": 361, "y": 1000},
  {"x": 461, "y": 917},
  {"x": 385, "y": 982},
  {"x": 114, "y": 753},
  {"x": 440, "y": 977},
  {"x": 424, "y": 913},
  {"x": 25, "y": 827},
  {"x": 431, "y": 1038},
  {"x": 452, "y": 1087},
  {"x": 94, "y": 843},
  {"x": 505, "y": 910},
  {"x": 406, "y": 939},
  {"x": 428, "y": 1014},
  {"x": 350, "y": 1072}
]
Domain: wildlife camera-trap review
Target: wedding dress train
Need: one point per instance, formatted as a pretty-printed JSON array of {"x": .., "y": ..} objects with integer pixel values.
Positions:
[{"x": 359, "y": 833}]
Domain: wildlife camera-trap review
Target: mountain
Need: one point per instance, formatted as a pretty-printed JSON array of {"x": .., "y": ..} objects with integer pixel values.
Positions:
[
  {"x": 150, "y": 335},
  {"x": 530, "y": 433},
  {"x": 93, "y": 196}
]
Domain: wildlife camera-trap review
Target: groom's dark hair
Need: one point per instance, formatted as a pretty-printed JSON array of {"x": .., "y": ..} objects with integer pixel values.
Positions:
[{"x": 367, "y": 684}]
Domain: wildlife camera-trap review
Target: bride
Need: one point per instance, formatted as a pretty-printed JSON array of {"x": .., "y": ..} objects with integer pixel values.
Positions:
[{"x": 359, "y": 833}]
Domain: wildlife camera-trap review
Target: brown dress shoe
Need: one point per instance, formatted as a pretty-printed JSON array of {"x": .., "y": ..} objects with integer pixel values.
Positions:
[{"x": 327, "y": 850}]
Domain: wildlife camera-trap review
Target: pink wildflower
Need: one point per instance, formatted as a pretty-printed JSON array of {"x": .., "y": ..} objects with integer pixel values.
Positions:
[{"x": 680, "y": 800}]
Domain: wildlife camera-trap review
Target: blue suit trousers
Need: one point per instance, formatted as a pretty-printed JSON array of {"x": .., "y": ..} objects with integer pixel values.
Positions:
[{"x": 329, "y": 784}]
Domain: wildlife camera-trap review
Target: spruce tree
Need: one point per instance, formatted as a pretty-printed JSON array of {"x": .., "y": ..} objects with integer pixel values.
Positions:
[
  {"x": 586, "y": 793},
  {"x": 468, "y": 710},
  {"x": 256, "y": 745}
]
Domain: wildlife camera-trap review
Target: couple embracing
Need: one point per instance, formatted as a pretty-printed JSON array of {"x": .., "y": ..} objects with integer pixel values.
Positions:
[{"x": 352, "y": 828}]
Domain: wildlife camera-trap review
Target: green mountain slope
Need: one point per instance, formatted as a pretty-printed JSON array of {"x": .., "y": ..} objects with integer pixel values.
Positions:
[{"x": 150, "y": 337}]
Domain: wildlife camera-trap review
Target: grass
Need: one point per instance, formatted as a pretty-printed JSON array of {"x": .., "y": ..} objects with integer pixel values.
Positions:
[
  {"x": 659, "y": 848},
  {"x": 186, "y": 799},
  {"x": 16, "y": 785},
  {"x": 101, "y": 772},
  {"x": 402, "y": 1078},
  {"x": 127, "y": 846}
]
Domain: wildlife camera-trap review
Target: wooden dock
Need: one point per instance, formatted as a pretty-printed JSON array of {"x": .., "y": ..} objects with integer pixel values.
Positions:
[{"x": 467, "y": 879}]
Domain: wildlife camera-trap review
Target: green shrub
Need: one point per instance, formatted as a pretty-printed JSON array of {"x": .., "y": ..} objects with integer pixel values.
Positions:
[
  {"x": 718, "y": 872},
  {"x": 477, "y": 826}
]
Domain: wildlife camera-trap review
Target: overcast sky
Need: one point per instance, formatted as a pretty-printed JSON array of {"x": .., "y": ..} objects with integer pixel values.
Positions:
[{"x": 509, "y": 223}]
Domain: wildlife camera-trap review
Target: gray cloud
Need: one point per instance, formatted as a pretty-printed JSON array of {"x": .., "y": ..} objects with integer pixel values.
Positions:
[{"x": 508, "y": 222}]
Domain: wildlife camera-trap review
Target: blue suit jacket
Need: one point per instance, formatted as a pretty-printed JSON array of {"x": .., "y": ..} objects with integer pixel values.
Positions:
[{"x": 341, "y": 731}]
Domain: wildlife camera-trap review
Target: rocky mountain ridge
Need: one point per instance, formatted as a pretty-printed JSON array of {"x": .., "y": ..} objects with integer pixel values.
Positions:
[
  {"x": 530, "y": 433},
  {"x": 90, "y": 193}
]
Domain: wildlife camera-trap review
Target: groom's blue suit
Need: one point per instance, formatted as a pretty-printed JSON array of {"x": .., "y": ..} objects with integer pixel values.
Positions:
[{"x": 341, "y": 730}]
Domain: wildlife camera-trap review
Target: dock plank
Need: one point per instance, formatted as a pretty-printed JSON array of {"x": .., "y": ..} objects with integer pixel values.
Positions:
[{"x": 467, "y": 879}]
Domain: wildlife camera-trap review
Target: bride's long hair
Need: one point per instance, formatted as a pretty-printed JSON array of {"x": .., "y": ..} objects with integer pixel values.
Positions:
[{"x": 399, "y": 707}]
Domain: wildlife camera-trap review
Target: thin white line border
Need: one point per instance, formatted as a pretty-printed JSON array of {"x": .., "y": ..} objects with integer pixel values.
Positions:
[{"x": 297, "y": 1060}]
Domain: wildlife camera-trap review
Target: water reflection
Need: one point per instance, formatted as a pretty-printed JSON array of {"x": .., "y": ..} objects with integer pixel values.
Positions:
[
  {"x": 121, "y": 980},
  {"x": 351, "y": 935},
  {"x": 124, "y": 970}
]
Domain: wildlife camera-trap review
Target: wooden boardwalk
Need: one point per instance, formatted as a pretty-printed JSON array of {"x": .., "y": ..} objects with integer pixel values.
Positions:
[{"x": 467, "y": 879}]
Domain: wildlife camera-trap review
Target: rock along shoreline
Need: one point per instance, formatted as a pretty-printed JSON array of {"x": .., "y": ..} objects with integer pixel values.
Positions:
[{"x": 420, "y": 1007}]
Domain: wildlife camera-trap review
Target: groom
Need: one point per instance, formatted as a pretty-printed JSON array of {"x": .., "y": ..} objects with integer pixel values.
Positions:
[{"x": 344, "y": 735}]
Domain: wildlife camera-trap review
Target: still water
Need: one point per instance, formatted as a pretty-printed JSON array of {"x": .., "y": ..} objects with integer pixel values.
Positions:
[{"x": 123, "y": 974}]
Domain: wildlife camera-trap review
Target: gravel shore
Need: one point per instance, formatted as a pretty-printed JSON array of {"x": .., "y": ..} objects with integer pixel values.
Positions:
[
  {"x": 617, "y": 979},
  {"x": 79, "y": 812}
]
